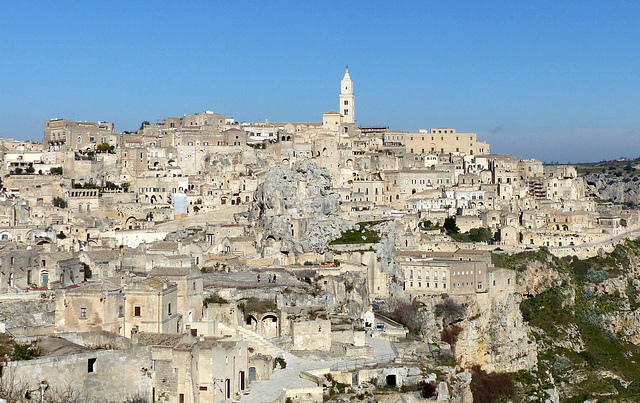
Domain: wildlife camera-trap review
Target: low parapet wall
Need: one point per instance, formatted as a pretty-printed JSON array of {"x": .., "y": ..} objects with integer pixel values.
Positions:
[{"x": 591, "y": 249}]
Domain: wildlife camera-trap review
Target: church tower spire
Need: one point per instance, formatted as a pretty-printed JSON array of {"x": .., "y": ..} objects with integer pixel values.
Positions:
[{"x": 347, "y": 99}]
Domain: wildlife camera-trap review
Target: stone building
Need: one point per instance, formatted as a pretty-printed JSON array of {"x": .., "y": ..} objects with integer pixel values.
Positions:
[
  {"x": 61, "y": 134},
  {"x": 97, "y": 305},
  {"x": 151, "y": 306},
  {"x": 90, "y": 374}
]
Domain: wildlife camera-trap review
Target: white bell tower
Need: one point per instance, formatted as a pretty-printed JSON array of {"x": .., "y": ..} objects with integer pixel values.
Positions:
[{"x": 347, "y": 99}]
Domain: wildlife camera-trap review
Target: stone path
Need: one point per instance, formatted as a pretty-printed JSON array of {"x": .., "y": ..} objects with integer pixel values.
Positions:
[
  {"x": 221, "y": 215},
  {"x": 268, "y": 391},
  {"x": 248, "y": 278}
]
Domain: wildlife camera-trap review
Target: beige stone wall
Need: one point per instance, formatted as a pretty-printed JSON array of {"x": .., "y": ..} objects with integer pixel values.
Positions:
[
  {"x": 157, "y": 309},
  {"x": 311, "y": 335},
  {"x": 224, "y": 370},
  {"x": 79, "y": 311},
  {"x": 105, "y": 382}
]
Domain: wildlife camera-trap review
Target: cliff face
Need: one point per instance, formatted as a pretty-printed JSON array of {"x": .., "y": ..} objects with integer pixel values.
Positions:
[
  {"x": 585, "y": 317},
  {"x": 616, "y": 181},
  {"x": 496, "y": 338},
  {"x": 613, "y": 188}
]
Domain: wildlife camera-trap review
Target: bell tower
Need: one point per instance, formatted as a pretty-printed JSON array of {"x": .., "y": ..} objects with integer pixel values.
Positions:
[{"x": 347, "y": 99}]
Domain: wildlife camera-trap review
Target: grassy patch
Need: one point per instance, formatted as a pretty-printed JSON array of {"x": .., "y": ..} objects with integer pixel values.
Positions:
[
  {"x": 214, "y": 299},
  {"x": 256, "y": 305},
  {"x": 601, "y": 350},
  {"x": 519, "y": 261},
  {"x": 362, "y": 234}
]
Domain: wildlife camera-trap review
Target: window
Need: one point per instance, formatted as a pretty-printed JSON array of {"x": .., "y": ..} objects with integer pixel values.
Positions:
[
  {"x": 346, "y": 102},
  {"x": 169, "y": 308},
  {"x": 83, "y": 314},
  {"x": 136, "y": 311},
  {"x": 91, "y": 365}
]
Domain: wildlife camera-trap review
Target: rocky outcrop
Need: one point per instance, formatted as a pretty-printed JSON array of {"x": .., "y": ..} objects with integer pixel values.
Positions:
[
  {"x": 297, "y": 210},
  {"x": 386, "y": 256},
  {"x": 29, "y": 314},
  {"x": 536, "y": 278},
  {"x": 496, "y": 338},
  {"x": 618, "y": 187}
]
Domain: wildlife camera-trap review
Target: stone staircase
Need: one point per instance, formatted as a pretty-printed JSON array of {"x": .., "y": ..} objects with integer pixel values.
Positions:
[{"x": 257, "y": 342}]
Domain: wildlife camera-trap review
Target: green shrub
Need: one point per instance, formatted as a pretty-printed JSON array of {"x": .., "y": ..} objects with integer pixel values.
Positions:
[
  {"x": 281, "y": 362},
  {"x": 60, "y": 202}
]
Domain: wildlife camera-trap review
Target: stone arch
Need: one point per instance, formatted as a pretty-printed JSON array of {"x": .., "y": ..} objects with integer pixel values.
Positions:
[
  {"x": 251, "y": 323},
  {"x": 129, "y": 222},
  {"x": 270, "y": 240},
  {"x": 269, "y": 325}
]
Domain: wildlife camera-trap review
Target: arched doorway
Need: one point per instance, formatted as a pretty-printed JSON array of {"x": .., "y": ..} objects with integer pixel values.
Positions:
[
  {"x": 251, "y": 323},
  {"x": 269, "y": 326}
]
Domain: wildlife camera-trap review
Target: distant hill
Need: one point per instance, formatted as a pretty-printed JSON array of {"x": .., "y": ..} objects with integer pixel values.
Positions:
[{"x": 617, "y": 181}]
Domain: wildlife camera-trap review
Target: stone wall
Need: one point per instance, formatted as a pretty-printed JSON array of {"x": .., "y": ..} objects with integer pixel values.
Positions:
[
  {"x": 102, "y": 339},
  {"x": 104, "y": 379},
  {"x": 311, "y": 335}
]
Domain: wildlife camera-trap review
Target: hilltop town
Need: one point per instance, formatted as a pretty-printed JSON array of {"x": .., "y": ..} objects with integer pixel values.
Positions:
[{"x": 200, "y": 259}]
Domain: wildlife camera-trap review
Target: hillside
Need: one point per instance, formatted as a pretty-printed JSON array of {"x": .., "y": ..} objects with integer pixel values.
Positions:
[
  {"x": 585, "y": 317},
  {"x": 617, "y": 181}
]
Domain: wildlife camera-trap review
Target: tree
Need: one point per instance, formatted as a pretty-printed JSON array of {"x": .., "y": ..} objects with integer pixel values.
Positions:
[
  {"x": 450, "y": 225},
  {"x": 31, "y": 170},
  {"x": 56, "y": 171},
  {"x": 87, "y": 272},
  {"x": 480, "y": 235},
  {"x": 60, "y": 202},
  {"x": 18, "y": 171},
  {"x": 103, "y": 148}
]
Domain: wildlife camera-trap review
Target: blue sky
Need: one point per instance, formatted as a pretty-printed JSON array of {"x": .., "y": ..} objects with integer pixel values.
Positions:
[{"x": 553, "y": 80}]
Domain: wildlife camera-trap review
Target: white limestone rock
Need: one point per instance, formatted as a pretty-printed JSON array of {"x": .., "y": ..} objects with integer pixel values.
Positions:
[
  {"x": 297, "y": 209},
  {"x": 497, "y": 340}
]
